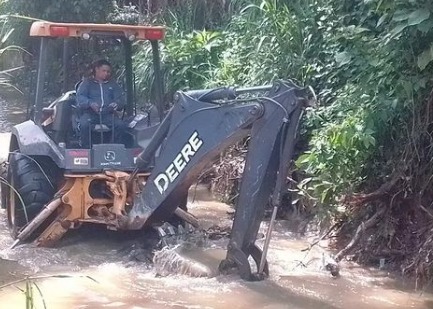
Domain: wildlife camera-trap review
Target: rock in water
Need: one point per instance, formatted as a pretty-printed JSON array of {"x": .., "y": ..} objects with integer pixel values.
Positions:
[
  {"x": 186, "y": 259},
  {"x": 329, "y": 264}
]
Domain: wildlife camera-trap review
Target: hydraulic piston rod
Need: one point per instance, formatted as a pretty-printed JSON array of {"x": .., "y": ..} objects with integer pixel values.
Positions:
[
  {"x": 267, "y": 240},
  {"x": 37, "y": 221}
]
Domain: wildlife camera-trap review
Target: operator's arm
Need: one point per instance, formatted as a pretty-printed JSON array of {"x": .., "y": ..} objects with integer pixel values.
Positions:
[
  {"x": 83, "y": 100},
  {"x": 118, "y": 96}
]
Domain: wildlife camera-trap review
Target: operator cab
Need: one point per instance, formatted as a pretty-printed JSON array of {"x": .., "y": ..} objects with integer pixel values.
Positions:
[{"x": 60, "y": 119}]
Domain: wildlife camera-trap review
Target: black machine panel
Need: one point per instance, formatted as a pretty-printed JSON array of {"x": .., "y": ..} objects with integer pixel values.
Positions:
[
  {"x": 100, "y": 157},
  {"x": 111, "y": 156}
]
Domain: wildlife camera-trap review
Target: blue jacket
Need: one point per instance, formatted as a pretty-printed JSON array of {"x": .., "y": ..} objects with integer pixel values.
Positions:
[{"x": 91, "y": 91}]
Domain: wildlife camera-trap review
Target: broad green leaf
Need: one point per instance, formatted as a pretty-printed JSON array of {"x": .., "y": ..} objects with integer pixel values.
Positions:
[
  {"x": 325, "y": 194},
  {"x": 295, "y": 201},
  {"x": 6, "y": 36},
  {"x": 408, "y": 87},
  {"x": 369, "y": 131},
  {"x": 425, "y": 58},
  {"x": 382, "y": 19},
  {"x": 418, "y": 16},
  {"x": 422, "y": 82},
  {"x": 400, "y": 16},
  {"x": 262, "y": 39},
  {"x": 305, "y": 181},
  {"x": 358, "y": 30},
  {"x": 425, "y": 26},
  {"x": 368, "y": 141},
  {"x": 343, "y": 58},
  {"x": 398, "y": 29},
  {"x": 305, "y": 158}
]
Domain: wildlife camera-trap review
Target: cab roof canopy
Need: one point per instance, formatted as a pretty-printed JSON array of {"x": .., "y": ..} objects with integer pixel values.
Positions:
[{"x": 131, "y": 32}]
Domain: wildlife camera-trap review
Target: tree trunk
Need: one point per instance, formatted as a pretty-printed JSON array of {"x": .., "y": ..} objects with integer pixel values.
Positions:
[{"x": 155, "y": 6}]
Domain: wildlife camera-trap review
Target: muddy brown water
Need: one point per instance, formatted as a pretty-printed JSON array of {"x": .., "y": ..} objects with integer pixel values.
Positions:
[
  {"x": 100, "y": 271},
  {"x": 102, "y": 276}
]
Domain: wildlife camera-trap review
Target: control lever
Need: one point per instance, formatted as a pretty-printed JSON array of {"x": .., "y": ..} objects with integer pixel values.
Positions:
[
  {"x": 100, "y": 125},
  {"x": 112, "y": 128}
]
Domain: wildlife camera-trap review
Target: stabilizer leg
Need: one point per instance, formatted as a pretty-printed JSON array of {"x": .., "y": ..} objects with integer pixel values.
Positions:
[{"x": 55, "y": 231}]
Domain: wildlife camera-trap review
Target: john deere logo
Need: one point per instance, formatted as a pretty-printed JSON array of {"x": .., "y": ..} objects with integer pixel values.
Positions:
[{"x": 110, "y": 156}]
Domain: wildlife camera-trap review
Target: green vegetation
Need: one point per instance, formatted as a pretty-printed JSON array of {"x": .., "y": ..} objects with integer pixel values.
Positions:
[
  {"x": 370, "y": 63},
  {"x": 36, "y": 299},
  {"x": 5, "y": 33}
]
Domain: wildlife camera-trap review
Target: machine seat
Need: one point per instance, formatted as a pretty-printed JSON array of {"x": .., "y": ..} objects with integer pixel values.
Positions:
[{"x": 101, "y": 128}]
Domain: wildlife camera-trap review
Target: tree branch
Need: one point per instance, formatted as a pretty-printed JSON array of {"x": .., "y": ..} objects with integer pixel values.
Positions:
[{"x": 359, "y": 232}]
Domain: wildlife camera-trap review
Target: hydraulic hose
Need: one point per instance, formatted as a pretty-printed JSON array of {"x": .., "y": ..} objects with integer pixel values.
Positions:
[{"x": 229, "y": 93}]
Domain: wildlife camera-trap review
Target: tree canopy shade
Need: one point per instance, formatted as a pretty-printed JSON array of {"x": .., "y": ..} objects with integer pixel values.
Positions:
[{"x": 62, "y": 10}]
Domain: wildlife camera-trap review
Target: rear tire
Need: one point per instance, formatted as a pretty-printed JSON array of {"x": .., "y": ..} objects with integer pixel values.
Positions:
[
  {"x": 3, "y": 186},
  {"x": 35, "y": 189}
]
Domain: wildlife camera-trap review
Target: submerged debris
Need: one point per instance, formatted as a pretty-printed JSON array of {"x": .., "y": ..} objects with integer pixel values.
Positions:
[
  {"x": 185, "y": 253},
  {"x": 173, "y": 260},
  {"x": 225, "y": 175},
  {"x": 330, "y": 264},
  {"x": 176, "y": 251}
]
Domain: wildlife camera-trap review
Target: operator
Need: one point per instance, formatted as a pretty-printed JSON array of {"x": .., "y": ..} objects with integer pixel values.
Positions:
[{"x": 98, "y": 98}]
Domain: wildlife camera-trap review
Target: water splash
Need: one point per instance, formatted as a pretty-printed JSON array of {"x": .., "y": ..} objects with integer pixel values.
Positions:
[
  {"x": 170, "y": 261},
  {"x": 185, "y": 254}
]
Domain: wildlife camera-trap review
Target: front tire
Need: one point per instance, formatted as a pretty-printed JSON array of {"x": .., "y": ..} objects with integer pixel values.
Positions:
[{"x": 34, "y": 187}]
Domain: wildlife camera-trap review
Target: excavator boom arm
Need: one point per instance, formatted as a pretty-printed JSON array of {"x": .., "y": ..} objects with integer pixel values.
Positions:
[{"x": 192, "y": 136}]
